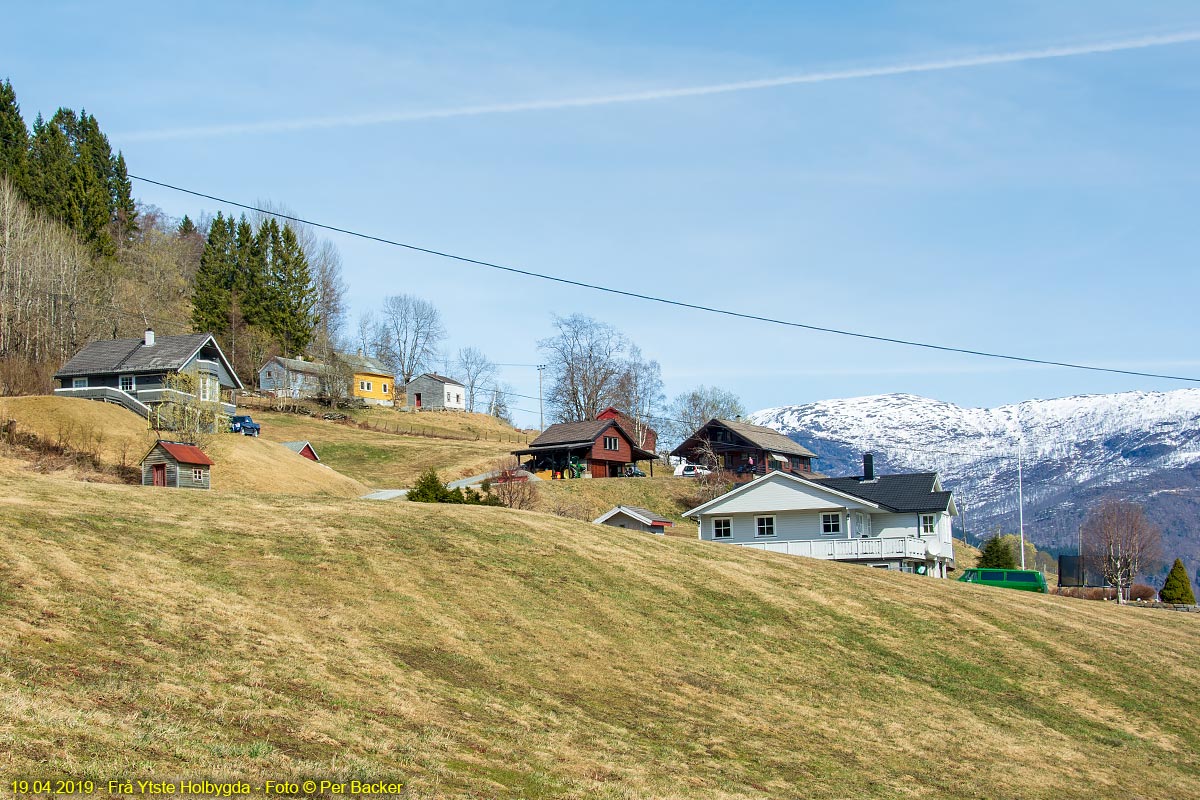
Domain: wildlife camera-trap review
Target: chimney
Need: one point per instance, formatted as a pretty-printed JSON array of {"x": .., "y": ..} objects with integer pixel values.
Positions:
[
  {"x": 149, "y": 338},
  {"x": 868, "y": 467}
]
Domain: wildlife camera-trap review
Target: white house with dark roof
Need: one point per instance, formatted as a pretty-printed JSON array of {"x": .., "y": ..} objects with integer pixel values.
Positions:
[
  {"x": 897, "y": 522},
  {"x": 132, "y": 372}
]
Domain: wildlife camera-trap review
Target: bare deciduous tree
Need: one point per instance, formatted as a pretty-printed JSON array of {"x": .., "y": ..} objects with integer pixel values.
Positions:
[
  {"x": 412, "y": 329},
  {"x": 639, "y": 393},
  {"x": 1119, "y": 541},
  {"x": 586, "y": 359},
  {"x": 513, "y": 493},
  {"x": 477, "y": 372},
  {"x": 498, "y": 404},
  {"x": 690, "y": 410}
]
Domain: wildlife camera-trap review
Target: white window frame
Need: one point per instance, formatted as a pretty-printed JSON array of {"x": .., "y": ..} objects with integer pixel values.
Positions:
[
  {"x": 928, "y": 524},
  {"x": 364, "y": 386},
  {"x": 79, "y": 383},
  {"x": 728, "y": 528},
  {"x": 132, "y": 383},
  {"x": 616, "y": 443},
  {"x": 197, "y": 475},
  {"x": 385, "y": 388},
  {"x": 834, "y": 518},
  {"x": 758, "y": 527}
]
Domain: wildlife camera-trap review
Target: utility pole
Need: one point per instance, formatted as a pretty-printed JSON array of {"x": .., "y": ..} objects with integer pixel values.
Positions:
[
  {"x": 541, "y": 368},
  {"x": 1021, "y": 498}
]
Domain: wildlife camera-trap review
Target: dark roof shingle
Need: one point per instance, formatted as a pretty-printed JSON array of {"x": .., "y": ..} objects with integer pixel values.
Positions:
[
  {"x": 911, "y": 492},
  {"x": 132, "y": 355}
]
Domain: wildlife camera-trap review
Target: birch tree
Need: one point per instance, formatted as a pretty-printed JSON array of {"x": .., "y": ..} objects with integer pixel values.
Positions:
[
  {"x": 1119, "y": 542},
  {"x": 412, "y": 330}
]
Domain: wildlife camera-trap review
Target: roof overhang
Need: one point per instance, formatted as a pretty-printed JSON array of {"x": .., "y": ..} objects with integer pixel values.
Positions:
[
  {"x": 745, "y": 487},
  {"x": 220, "y": 353}
]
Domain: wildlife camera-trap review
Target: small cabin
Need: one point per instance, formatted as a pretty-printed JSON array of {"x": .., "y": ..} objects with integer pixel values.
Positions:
[
  {"x": 634, "y": 518},
  {"x": 178, "y": 465}
]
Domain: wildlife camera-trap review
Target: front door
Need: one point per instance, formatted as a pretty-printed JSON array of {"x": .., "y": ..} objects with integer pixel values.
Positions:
[
  {"x": 160, "y": 474},
  {"x": 417, "y": 399}
]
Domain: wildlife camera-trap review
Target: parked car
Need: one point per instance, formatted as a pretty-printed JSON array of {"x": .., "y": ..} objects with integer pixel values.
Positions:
[
  {"x": 632, "y": 471},
  {"x": 244, "y": 425},
  {"x": 1028, "y": 580},
  {"x": 745, "y": 469},
  {"x": 692, "y": 470}
]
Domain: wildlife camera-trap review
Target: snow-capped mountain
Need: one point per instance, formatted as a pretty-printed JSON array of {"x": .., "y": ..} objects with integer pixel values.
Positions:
[{"x": 1142, "y": 446}]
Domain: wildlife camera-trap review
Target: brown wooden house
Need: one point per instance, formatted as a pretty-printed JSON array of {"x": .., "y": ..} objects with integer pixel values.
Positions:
[
  {"x": 601, "y": 448},
  {"x": 745, "y": 449},
  {"x": 178, "y": 465}
]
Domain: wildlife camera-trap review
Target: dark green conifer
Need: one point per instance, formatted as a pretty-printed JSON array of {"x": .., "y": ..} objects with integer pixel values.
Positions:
[
  {"x": 294, "y": 317},
  {"x": 1178, "y": 589},
  {"x": 49, "y": 170},
  {"x": 997, "y": 554},
  {"x": 186, "y": 227},
  {"x": 14, "y": 138},
  {"x": 215, "y": 278},
  {"x": 124, "y": 208}
]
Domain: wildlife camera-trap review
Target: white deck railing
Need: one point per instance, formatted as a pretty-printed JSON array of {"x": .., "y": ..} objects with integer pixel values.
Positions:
[{"x": 846, "y": 549}]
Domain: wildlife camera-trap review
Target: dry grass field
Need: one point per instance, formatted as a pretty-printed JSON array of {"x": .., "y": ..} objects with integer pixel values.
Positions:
[
  {"x": 244, "y": 465},
  {"x": 483, "y": 653}
]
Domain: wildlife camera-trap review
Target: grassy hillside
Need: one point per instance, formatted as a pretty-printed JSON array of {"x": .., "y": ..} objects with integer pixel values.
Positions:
[
  {"x": 479, "y": 652},
  {"x": 120, "y": 438},
  {"x": 588, "y": 499},
  {"x": 390, "y": 460}
]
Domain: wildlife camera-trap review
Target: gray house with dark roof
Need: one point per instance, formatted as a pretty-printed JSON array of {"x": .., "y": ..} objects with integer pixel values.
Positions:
[
  {"x": 293, "y": 377},
  {"x": 433, "y": 392},
  {"x": 897, "y": 522},
  {"x": 132, "y": 372},
  {"x": 745, "y": 449}
]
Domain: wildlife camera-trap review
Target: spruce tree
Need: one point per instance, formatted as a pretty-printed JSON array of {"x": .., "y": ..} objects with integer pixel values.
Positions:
[
  {"x": 251, "y": 285},
  {"x": 996, "y": 554},
  {"x": 186, "y": 227},
  {"x": 213, "y": 288},
  {"x": 124, "y": 208},
  {"x": 294, "y": 317},
  {"x": 1178, "y": 589},
  {"x": 49, "y": 170},
  {"x": 14, "y": 138}
]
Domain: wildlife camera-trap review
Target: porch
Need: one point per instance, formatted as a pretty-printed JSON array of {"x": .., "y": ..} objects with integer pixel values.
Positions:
[{"x": 872, "y": 549}]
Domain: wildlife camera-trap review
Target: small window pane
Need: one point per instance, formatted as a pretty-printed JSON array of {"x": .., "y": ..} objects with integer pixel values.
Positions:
[
  {"x": 722, "y": 528},
  {"x": 831, "y": 523},
  {"x": 765, "y": 526}
]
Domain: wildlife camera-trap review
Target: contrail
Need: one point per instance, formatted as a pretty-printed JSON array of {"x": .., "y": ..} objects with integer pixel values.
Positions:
[{"x": 360, "y": 120}]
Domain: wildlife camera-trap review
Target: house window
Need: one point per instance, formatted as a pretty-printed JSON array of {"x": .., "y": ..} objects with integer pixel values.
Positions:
[
  {"x": 197, "y": 475},
  {"x": 79, "y": 383},
  {"x": 447, "y": 397},
  {"x": 458, "y": 398},
  {"x": 831, "y": 524},
  {"x": 611, "y": 443},
  {"x": 205, "y": 386},
  {"x": 722, "y": 528},
  {"x": 364, "y": 386},
  {"x": 127, "y": 384},
  {"x": 268, "y": 373},
  {"x": 764, "y": 526},
  {"x": 385, "y": 389},
  {"x": 928, "y": 524}
]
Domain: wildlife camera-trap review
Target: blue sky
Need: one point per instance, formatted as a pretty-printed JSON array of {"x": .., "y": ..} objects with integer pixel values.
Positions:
[{"x": 1044, "y": 206}]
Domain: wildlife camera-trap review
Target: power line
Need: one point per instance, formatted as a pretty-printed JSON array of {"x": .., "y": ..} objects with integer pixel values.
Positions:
[{"x": 667, "y": 301}]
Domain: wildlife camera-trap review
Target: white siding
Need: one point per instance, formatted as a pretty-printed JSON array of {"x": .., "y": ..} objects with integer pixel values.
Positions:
[
  {"x": 895, "y": 525},
  {"x": 788, "y": 525},
  {"x": 778, "y": 493}
]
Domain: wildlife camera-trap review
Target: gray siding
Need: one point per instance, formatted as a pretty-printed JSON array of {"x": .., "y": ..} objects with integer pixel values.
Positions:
[
  {"x": 178, "y": 475},
  {"x": 433, "y": 393},
  {"x": 623, "y": 520}
]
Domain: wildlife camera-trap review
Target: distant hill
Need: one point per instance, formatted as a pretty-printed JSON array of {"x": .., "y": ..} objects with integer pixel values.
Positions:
[
  {"x": 475, "y": 652},
  {"x": 1142, "y": 446}
]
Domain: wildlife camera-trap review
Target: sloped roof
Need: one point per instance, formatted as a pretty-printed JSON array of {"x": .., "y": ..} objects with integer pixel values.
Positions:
[
  {"x": 298, "y": 447},
  {"x": 914, "y": 491},
  {"x": 578, "y": 434},
  {"x": 643, "y": 515},
  {"x": 298, "y": 365},
  {"x": 184, "y": 453},
  {"x": 366, "y": 364},
  {"x": 760, "y": 436},
  {"x": 132, "y": 355},
  {"x": 438, "y": 378}
]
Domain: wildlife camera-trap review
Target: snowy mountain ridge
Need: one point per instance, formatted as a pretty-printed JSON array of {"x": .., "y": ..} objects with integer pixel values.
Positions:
[{"x": 1073, "y": 449}]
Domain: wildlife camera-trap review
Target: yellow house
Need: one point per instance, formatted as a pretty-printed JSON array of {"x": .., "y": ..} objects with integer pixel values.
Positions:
[{"x": 373, "y": 382}]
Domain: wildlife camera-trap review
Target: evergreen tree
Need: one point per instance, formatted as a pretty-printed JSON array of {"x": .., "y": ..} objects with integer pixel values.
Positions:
[
  {"x": 186, "y": 227},
  {"x": 124, "y": 208},
  {"x": 212, "y": 294},
  {"x": 996, "y": 554},
  {"x": 251, "y": 285},
  {"x": 14, "y": 138},
  {"x": 1178, "y": 589},
  {"x": 49, "y": 170},
  {"x": 293, "y": 318},
  {"x": 89, "y": 201}
]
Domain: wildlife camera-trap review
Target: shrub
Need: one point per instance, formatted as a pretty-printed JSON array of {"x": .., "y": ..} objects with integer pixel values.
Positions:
[
  {"x": 996, "y": 554},
  {"x": 430, "y": 489},
  {"x": 1140, "y": 591},
  {"x": 1178, "y": 589}
]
